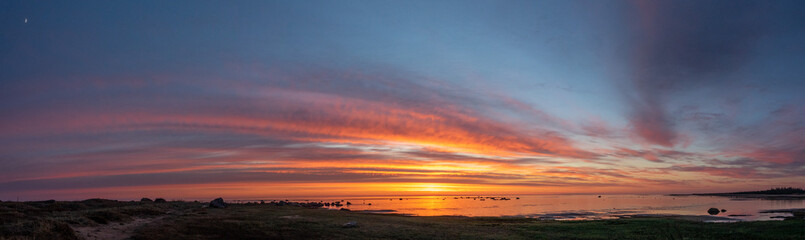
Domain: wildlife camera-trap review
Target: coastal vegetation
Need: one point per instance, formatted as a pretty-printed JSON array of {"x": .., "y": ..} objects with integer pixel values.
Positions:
[
  {"x": 782, "y": 190},
  {"x": 110, "y": 219},
  {"x": 782, "y": 193}
]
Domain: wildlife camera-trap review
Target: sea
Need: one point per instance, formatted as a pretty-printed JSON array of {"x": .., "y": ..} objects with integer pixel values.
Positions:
[{"x": 566, "y": 207}]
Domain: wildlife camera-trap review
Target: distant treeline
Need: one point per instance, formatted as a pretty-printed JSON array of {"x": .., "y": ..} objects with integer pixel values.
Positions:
[{"x": 785, "y": 190}]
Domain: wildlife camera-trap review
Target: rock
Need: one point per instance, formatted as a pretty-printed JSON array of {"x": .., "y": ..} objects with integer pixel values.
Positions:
[
  {"x": 312, "y": 205},
  {"x": 145, "y": 199},
  {"x": 160, "y": 200},
  {"x": 350, "y": 225},
  {"x": 713, "y": 211},
  {"x": 798, "y": 214},
  {"x": 723, "y": 210},
  {"x": 218, "y": 203},
  {"x": 345, "y": 209}
]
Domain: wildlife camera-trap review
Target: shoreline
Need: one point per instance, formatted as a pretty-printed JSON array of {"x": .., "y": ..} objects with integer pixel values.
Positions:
[
  {"x": 110, "y": 219},
  {"x": 580, "y": 215}
]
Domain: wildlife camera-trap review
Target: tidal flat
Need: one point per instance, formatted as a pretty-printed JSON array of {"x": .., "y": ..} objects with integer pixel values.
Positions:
[{"x": 110, "y": 219}]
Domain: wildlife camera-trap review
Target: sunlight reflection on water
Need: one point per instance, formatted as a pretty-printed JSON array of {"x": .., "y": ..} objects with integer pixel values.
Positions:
[{"x": 569, "y": 207}]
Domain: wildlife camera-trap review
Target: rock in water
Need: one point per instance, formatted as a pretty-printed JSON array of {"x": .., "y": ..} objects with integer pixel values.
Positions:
[
  {"x": 218, "y": 203},
  {"x": 160, "y": 200},
  {"x": 350, "y": 225},
  {"x": 713, "y": 211},
  {"x": 723, "y": 210},
  {"x": 798, "y": 213}
]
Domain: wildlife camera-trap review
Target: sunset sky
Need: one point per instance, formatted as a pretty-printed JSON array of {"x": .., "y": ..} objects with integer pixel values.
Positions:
[{"x": 251, "y": 99}]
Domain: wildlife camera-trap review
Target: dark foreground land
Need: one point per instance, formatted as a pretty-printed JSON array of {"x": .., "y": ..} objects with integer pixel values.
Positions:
[{"x": 107, "y": 219}]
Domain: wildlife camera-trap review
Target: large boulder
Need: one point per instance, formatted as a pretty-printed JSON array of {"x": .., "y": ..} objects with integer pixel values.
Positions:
[
  {"x": 146, "y": 200},
  {"x": 713, "y": 211},
  {"x": 798, "y": 213},
  {"x": 160, "y": 200},
  {"x": 218, "y": 203}
]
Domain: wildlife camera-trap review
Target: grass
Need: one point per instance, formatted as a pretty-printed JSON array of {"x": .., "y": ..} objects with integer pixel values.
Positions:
[
  {"x": 56, "y": 219},
  {"x": 287, "y": 222},
  {"x": 185, "y": 220}
]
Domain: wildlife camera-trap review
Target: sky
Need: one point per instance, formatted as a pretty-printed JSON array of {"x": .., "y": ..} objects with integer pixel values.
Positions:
[{"x": 258, "y": 99}]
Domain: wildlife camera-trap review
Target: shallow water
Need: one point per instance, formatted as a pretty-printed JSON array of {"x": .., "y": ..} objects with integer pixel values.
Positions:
[{"x": 569, "y": 207}]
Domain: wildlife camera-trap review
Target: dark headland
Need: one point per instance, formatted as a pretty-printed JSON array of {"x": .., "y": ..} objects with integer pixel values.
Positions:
[
  {"x": 218, "y": 219},
  {"x": 786, "y": 193}
]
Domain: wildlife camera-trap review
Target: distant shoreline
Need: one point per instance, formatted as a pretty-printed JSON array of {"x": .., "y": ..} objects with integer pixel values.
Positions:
[
  {"x": 746, "y": 195},
  {"x": 787, "y": 193}
]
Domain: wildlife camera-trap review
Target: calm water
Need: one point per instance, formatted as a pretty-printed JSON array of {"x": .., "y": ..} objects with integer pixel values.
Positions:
[{"x": 567, "y": 207}]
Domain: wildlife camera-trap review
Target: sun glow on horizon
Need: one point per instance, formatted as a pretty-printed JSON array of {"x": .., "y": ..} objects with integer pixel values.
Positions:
[{"x": 255, "y": 99}]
